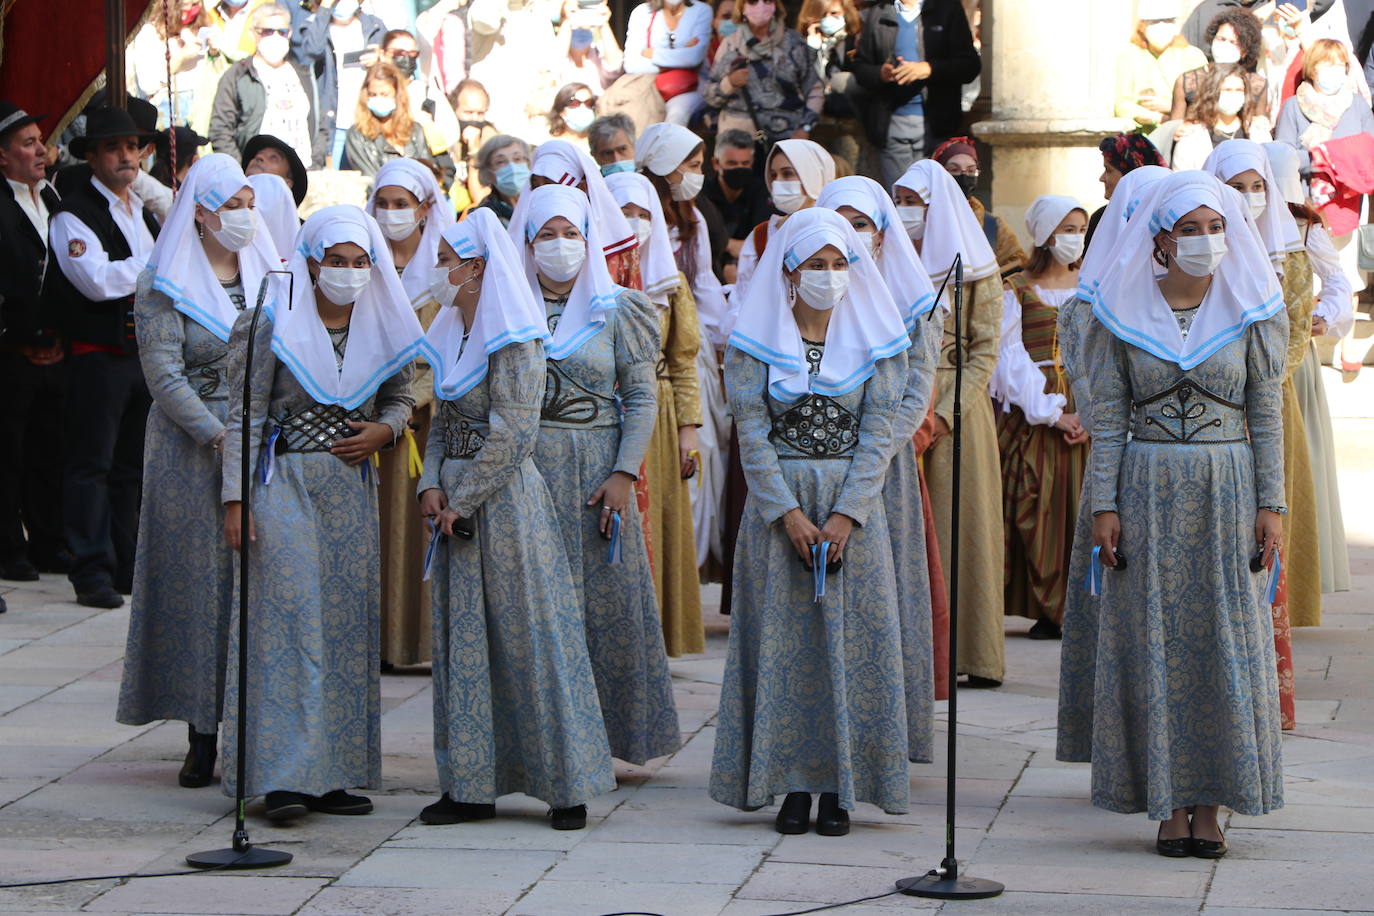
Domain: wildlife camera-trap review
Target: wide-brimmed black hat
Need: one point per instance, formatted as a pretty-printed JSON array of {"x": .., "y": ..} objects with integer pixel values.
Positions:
[
  {"x": 188, "y": 141},
  {"x": 104, "y": 123},
  {"x": 12, "y": 117},
  {"x": 300, "y": 181}
]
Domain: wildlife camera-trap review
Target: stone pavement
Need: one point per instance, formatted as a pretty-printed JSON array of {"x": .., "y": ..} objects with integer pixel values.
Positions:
[{"x": 81, "y": 795}]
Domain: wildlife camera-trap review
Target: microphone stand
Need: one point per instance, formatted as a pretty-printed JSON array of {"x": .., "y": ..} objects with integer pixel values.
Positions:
[
  {"x": 242, "y": 853},
  {"x": 944, "y": 883}
]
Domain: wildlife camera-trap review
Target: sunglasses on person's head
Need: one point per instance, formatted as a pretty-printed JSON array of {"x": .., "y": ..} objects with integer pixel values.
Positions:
[{"x": 284, "y": 33}]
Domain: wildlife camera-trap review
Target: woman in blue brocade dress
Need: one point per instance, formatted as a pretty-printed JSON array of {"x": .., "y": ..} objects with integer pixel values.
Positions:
[
  {"x": 211, "y": 256},
  {"x": 515, "y": 704},
  {"x": 332, "y": 369},
  {"x": 1189, "y": 364},
  {"x": 814, "y": 696}
]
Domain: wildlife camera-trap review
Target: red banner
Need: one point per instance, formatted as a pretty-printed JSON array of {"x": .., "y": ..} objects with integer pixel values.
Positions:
[{"x": 53, "y": 51}]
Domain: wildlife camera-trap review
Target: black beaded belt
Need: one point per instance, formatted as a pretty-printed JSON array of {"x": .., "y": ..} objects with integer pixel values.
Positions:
[
  {"x": 315, "y": 429},
  {"x": 462, "y": 438},
  {"x": 1188, "y": 414},
  {"x": 816, "y": 427}
]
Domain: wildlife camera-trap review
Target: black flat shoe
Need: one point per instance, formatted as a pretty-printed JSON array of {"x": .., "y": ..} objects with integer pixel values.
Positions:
[
  {"x": 1177, "y": 848},
  {"x": 974, "y": 682},
  {"x": 199, "y": 769},
  {"x": 102, "y": 597},
  {"x": 1209, "y": 849},
  {"x": 831, "y": 819},
  {"x": 19, "y": 571},
  {"x": 794, "y": 816},
  {"x": 574, "y": 818},
  {"x": 448, "y": 811},
  {"x": 285, "y": 806},
  {"x": 339, "y": 802},
  {"x": 1045, "y": 628}
]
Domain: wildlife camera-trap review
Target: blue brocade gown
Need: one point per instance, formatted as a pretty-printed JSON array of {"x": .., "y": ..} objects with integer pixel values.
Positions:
[
  {"x": 515, "y": 705},
  {"x": 814, "y": 697}
]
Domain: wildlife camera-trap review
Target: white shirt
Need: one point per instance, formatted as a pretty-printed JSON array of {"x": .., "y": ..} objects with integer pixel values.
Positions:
[
  {"x": 287, "y": 116},
  {"x": 84, "y": 260},
  {"x": 909, "y": 10},
  {"x": 695, "y": 23},
  {"x": 1017, "y": 379},
  {"x": 1333, "y": 299},
  {"x": 31, "y": 202},
  {"x": 347, "y": 39}
]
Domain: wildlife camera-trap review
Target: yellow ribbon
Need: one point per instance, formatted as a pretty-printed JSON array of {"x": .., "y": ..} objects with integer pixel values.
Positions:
[{"x": 415, "y": 463}]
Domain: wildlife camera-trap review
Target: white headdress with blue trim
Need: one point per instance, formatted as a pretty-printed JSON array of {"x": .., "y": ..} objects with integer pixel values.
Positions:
[
  {"x": 1276, "y": 224},
  {"x": 951, "y": 228},
  {"x": 656, "y": 264},
  {"x": 383, "y": 334},
  {"x": 594, "y": 293},
  {"x": 417, "y": 178},
  {"x": 564, "y": 164},
  {"x": 901, "y": 267},
  {"x": 866, "y": 325},
  {"x": 1244, "y": 287},
  {"x": 507, "y": 311},
  {"x": 277, "y": 211},
  {"x": 180, "y": 268}
]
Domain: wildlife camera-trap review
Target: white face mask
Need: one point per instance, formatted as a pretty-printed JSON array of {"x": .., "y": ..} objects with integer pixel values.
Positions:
[
  {"x": 1199, "y": 255},
  {"x": 1067, "y": 247},
  {"x": 689, "y": 187},
  {"x": 560, "y": 259},
  {"x": 788, "y": 196},
  {"x": 914, "y": 221},
  {"x": 1231, "y": 102},
  {"x": 822, "y": 289},
  {"x": 1258, "y": 201},
  {"x": 870, "y": 240},
  {"x": 397, "y": 225},
  {"x": 439, "y": 287},
  {"x": 273, "y": 48},
  {"x": 343, "y": 285},
  {"x": 579, "y": 118},
  {"x": 642, "y": 228},
  {"x": 237, "y": 228},
  {"x": 1330, "y": 79},
  {"x": 1223, "y": 52},
  {"x": 1160, "y": 34}
]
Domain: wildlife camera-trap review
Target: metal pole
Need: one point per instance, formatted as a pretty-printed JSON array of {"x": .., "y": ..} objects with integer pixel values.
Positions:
[{"x": 116, "y": 33}]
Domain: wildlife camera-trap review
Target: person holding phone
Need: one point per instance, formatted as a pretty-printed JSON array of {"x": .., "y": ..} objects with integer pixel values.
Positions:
[
  {"x": 340, "y": 42},
  {"x": 1189, "y": 341},
  {"x": 816, "y": 369}
]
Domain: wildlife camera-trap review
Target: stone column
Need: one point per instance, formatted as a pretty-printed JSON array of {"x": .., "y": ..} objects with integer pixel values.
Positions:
[{"x": 1052, "y": 67}]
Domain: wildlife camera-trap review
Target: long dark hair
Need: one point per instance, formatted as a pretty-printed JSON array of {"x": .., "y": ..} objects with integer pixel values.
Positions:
[
  {"x": 678, "y": 215},
  {"x": 1206, "y": 110},
  {"x": 565, "y": 95}
]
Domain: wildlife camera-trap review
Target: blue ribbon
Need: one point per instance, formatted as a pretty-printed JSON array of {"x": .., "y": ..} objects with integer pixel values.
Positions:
[
  {"x": 267, "y": 464},
  {"x": 1092, "y": 582},
  {"x": 1275, "y": 571},
  {"x": 613, "y": 552},
  {"x": 818, "y": 561},
  {"x": 435, "y": 536}
]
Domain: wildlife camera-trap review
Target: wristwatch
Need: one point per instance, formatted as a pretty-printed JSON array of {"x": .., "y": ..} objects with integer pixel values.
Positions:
[{"x": 1277, "y": 510}]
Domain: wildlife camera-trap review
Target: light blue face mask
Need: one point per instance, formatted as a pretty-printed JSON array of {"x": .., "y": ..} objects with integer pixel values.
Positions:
[
  {"x": 831, "y": 24},
  {"x": 512, "y": 177},
  {"x": 382, "y": 106},
  {"x": 615, "y": 168},
  {"x": 727, "y": 28}
]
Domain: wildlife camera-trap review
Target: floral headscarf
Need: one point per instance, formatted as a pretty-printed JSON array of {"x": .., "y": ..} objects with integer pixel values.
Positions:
[{"x": 1130, "y": 151}]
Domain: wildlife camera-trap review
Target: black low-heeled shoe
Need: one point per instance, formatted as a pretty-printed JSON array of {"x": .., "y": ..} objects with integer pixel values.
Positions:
[
  {"x": 198, "y": 770},
  {"x": 794, "y": 816},
  {"x": 1177, "y": 848},
  {"x": 831, "y": 819},
  {"x": 448, "y": 811},
  {"x": 1209, "y": 849},
  {"x": 339, "y": 802},
  {"x": 281, "y": 807},
  {"x": 574, "y": 818}
]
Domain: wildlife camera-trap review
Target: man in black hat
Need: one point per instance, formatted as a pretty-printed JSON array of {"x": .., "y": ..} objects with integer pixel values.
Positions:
[
  {"x": 31, "y": 369},
  {"x": 101, "y": 238},
  {"x": 155, "y": 194},
  {"x": 271, "y": 155}
]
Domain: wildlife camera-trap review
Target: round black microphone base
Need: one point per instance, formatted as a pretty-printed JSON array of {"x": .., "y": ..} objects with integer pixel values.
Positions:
[
  {"x": 252, "y": 857},
  {"x": 937, "y": 886}
]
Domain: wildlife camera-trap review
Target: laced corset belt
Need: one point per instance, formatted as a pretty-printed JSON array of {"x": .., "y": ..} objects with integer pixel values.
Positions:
[
  {"x": 1187, "y": 414},
  {"x": 464, "y": 436},
  {"x": 661, "y": 368},
  {"x": 569, "y": 405},
  {"x": 209, "y": 379},
  {"x": 314, "y": 429},
  {"x": 815, "y": 427}
]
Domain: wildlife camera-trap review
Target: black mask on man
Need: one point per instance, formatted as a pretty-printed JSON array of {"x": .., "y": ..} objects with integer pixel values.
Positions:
[{"x": 737, "y": 179}]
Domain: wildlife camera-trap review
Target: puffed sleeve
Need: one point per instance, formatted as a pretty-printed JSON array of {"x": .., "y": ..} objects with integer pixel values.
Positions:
[
  {"x": 746, "y": 382},
  {"x": 1333, "y": 304},
  {"x": 863, "y": 484},
  {"x": 680, "y": 352},
  {"x": 636, "y": 355},
  {"x": 982, "y": 325},
  {"x": 395, "y": 400},
  {"x": 161, "y": 334},
  {"x": 264, "y": 372},
  {"x": 1109, "y": 378},
  {"x": 1266, "y": 368},
  {"x": 515, "y": 382}
]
